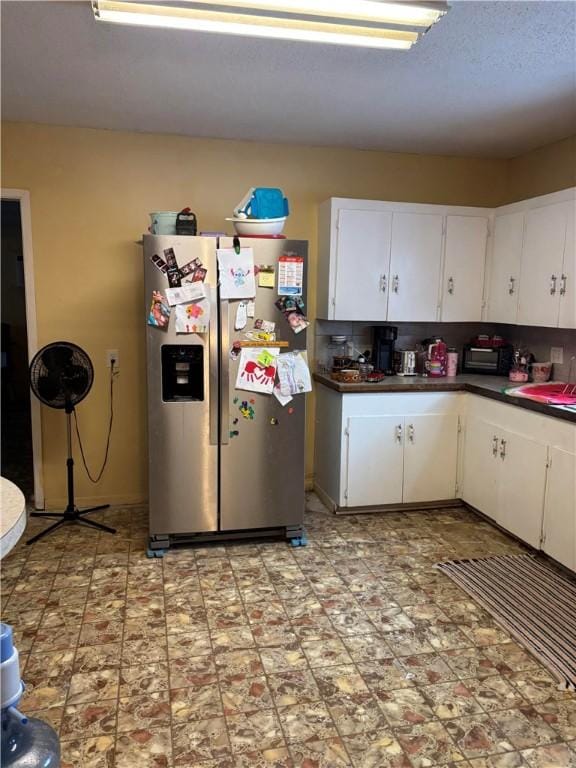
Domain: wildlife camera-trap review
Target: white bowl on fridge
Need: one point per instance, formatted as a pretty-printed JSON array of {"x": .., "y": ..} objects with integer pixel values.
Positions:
[{"x": 258, "y": 226}]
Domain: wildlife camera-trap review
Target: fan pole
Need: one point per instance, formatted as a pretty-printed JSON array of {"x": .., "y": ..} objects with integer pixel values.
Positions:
[
  {"x": 70, "y": 509},
  {"x": 71, "y": 513}
]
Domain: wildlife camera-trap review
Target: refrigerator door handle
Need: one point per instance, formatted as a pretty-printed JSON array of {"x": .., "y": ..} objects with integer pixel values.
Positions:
[
  {"x": 213, "y": 367},
  {"x": 225, "y": 391}
]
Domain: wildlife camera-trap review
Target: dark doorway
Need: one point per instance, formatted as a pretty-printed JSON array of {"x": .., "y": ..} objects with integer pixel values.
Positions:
[{"x": 17, "y": 458}]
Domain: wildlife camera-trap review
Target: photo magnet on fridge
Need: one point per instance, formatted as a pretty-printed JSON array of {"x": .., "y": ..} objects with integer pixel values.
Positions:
[
  {"x": 159, "y": 263},
  {"x": 292, "y": 307},
  {"x": 174, "y": 274},
  {"x": 159, "y": 314},
  {"x": 265, "y": 325},
  {"x": 190, "y": 267}
]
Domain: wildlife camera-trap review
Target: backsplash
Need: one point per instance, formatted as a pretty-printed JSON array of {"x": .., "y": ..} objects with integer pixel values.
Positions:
[{"x": 538, "y": 340}]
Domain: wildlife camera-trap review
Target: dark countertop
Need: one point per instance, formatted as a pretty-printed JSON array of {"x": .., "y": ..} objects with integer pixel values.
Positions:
[{"x": 486, "y": 386}]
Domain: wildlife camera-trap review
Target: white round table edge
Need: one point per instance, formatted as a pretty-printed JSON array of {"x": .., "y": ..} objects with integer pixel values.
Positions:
[{"x": 13, "y": 515}]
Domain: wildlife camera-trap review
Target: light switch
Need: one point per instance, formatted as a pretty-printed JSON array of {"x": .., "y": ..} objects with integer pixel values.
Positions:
[{"x": 557, "y": 355}]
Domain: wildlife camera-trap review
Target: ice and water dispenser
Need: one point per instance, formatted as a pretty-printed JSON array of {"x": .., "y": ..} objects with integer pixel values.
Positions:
[{"x": 182, "y": 372}]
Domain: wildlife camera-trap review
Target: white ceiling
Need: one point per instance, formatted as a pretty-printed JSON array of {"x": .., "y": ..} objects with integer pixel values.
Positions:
[{"x": 491, "y": 79}]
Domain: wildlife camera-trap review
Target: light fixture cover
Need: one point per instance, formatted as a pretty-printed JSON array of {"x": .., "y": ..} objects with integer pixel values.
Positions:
[{"x": 365, "y": 23}]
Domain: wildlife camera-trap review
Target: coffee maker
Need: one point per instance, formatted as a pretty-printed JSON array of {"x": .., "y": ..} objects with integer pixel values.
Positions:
[{"x": 383, "y": 348}]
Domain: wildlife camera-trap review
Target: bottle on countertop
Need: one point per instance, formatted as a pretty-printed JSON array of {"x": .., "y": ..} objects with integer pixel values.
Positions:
[
  {"x": 436, "y": 358},
  {"x": 452, "y": 362}
]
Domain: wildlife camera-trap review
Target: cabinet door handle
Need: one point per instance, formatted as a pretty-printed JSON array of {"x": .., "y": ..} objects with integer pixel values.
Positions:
[
  {"x": 395, "y": 283},
  {"x": 502, "y": 449},
  {"x": 411, "y": 432},
  {"x": 511, "y": 285},
  {"x": 563, "y": 281},
  {"x": 399, "y": 433},
  {"x": 383, "y": 283},
  {"x": 451, "y": 285},
  {"x": 494, "y": 446},
  {"x": 553, "y": 280}
]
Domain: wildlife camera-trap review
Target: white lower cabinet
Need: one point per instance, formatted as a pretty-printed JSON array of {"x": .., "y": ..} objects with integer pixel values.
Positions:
[
  {"x": 521, "y": 485},
  {"x": 375, "y": 460},
  {"x": 401, "y": 459},
  {"x": 430, "y": 457},
  {"x": 559, "y": 539},
  {"x": 517, "y": 468},
  {"x": 505, "y": 478},
  {"x": 480, "y": 468}
]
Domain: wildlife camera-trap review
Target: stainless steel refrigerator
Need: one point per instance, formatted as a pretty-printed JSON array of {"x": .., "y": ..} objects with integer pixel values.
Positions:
[{"x": 216, "y": 468}]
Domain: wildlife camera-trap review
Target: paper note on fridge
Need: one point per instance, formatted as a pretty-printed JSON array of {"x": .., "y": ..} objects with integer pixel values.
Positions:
[
  {"x": 193, "y": 317},
  {"x": 257, "y": 369},
  {"x": 266, "y": 276},
  {"x": 236, "y": 273},
  {"x": 282, "y": 399},
  {"x": 290, "y": 275},
  {"x": 293, "y": 374},
  {"x": 186, "y": 293}
]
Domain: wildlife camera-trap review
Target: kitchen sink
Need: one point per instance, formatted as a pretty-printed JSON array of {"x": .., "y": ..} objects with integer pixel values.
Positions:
[{"x": 552, "y": 393}]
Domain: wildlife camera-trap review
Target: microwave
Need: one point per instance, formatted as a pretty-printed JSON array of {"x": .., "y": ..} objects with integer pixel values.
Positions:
[{"x": 496, "y": 360}]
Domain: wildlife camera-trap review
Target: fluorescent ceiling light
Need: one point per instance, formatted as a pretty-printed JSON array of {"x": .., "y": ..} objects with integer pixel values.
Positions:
[
  {"x": 254, "y": 18},
  {"x": 402, "y": 13}
]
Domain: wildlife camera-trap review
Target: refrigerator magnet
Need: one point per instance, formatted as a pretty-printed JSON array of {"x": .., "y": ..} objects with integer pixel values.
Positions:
[
  {"x": 241, "y": 316},
  {"x": 174, "y": 274},
  {"x": 247, "y": 411},
  {"x": 190, "y": 267},
  {"x": 265, "y": 325},
  {"x": 159, "y": 263},
  {"x": 159, "y": 314}
]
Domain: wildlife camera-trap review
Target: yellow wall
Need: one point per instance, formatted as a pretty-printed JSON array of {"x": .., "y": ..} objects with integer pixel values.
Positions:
[
  {"x": 91, "y": 191},
  {"x": 546, "y": 169}
]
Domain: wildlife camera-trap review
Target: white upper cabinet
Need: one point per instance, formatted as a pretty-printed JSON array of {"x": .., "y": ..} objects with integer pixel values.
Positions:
[
  {"x": 464, "y": 263},
  {"x": 568, "y": 276},
  {"x": 362, "y": 265},
  {"x": 504, "y": 280},
  {"x": 542, "y": 261},
  {"x": 415, "y": 262}
]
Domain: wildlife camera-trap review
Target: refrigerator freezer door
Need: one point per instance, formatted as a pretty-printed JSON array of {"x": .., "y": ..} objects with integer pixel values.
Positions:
[
  {"x": 182, "y": 402},
  {"x": 262, "y": 467}
]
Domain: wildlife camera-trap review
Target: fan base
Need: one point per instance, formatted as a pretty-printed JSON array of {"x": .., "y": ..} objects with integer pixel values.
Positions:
[{"x": 70, "y": 516}]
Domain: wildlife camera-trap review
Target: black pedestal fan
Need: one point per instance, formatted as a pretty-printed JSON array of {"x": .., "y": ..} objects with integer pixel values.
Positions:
[{"x": 61, "y": 375}]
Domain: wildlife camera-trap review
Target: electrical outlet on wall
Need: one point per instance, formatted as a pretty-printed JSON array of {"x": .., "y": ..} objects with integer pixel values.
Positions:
[
  {"x": 113, "y": 355},
  {"x": 557, "y": 355}
]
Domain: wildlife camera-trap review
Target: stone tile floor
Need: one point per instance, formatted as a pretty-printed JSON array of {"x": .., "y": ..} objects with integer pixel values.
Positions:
[{"x": 352, "y": 651}]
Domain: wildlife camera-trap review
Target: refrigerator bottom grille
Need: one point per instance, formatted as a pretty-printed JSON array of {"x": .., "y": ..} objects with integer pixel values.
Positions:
[{"x": 160, "y": 542}]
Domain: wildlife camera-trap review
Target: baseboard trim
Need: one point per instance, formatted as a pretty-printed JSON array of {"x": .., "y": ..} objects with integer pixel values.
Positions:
[{"x": 94, "y": 501}]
